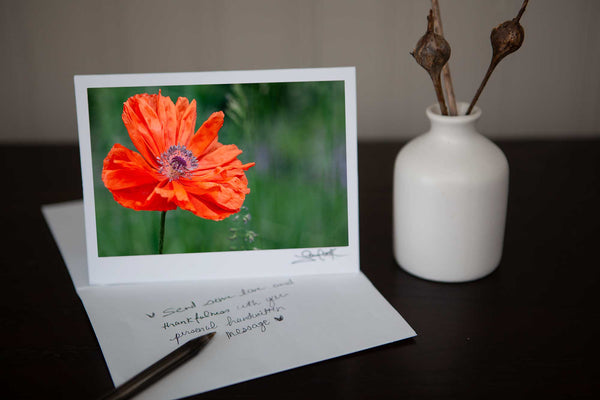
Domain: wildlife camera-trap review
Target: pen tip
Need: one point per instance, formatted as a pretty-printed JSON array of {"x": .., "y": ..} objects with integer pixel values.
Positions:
[{"x": 201, "y": 340}]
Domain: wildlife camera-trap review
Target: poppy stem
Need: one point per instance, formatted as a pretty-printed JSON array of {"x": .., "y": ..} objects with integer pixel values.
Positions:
[{"x": 161, "y": 239}]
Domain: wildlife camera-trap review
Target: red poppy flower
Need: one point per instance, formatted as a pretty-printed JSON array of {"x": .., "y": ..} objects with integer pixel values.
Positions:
[{"x": 175, "y": 167}]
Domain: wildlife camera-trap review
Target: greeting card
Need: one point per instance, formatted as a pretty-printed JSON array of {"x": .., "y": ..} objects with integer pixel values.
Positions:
[{"x": 221, "y": 202}]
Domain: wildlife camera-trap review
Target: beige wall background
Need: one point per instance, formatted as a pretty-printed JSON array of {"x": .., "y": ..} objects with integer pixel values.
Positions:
[{"x": 549, "y": 88}]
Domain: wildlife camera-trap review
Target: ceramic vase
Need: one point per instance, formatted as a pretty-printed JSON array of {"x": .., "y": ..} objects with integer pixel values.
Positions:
[{"x": 450, "y": 198}]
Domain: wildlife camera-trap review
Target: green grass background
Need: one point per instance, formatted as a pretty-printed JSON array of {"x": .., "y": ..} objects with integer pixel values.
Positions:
[{"x": 294, "y": 131}]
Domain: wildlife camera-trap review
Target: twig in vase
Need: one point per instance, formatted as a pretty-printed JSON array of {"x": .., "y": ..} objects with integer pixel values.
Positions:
[
  {"x": 506, "y": 38},
  {"x": 447, "y": 81},
  {"x": 432, "y": 52}
]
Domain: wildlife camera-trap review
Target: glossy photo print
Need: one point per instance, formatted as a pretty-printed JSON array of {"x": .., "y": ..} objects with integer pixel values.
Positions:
[
  {"x": 186, "y": 169},
  {"x": 214, "y": 168}
]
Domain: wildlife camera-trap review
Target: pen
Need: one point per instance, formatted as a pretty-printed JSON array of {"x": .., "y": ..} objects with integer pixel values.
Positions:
[{"x": 159, "y": 369}]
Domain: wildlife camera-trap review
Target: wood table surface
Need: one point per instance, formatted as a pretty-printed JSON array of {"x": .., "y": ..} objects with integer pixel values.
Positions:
[{"x": 528, "y": 329}]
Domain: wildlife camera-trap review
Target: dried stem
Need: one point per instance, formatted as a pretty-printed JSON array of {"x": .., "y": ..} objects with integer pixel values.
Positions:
[
  {"x": 437, "y": 84},
  {"x": 449, "y": 88},
  {"x": 521, "y": 11},
  {"x": 493, "y": 64}
]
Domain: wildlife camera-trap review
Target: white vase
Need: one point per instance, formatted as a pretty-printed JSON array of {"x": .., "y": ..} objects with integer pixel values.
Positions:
[{"x": 450, "y": 197}]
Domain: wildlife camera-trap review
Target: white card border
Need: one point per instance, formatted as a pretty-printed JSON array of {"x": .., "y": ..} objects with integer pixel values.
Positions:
[{"x": 216, "y": 265}]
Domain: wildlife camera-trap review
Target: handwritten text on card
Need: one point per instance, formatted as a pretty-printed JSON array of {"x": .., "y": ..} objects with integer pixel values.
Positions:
[{"x": 249, "y": 310}]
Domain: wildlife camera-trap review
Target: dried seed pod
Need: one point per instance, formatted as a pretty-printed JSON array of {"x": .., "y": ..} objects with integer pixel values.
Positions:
[
  {"x": 506, "y": 38},
  {"x": 432, "y": 53}
]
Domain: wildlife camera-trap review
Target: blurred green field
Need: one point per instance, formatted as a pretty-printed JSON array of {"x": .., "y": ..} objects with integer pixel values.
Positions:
[{"x": 294, "y": 131}]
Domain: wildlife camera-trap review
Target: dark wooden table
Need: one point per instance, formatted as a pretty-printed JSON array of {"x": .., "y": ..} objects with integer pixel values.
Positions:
[{"x": 529, "y": 329}]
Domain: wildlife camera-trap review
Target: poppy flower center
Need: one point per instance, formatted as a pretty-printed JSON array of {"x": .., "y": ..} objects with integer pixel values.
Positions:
[{"x": 177, "y": 162}]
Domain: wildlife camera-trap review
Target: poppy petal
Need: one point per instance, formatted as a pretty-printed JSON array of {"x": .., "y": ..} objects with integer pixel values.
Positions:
[
  {"x": 147, "y": 111},
  {"x": 167, "y": 116},
  {"x": 219, "y": 156},
  {"x": 207, "y": 206},
  {"x": 206, "y": 134},
  {"x": 208, "y": 210},
  {"x": 140, "y": 134},
  {"x": 186, "y": 117},
  {"x": 218, "y": 193},
  {"x": 131, "y": 181}
]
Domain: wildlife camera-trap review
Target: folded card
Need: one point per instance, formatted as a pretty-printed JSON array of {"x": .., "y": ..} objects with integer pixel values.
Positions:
[
  {"x": 220, "y": 202},
  {"x": 263, "y": 325},
  {"x": 219, "y": 174}
]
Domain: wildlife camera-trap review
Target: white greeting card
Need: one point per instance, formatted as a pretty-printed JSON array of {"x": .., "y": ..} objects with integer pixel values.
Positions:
[
  {"x": 263, "y": 325},
  {"x": 219, "y": 174},
  {"x": 221, "y": 202}
]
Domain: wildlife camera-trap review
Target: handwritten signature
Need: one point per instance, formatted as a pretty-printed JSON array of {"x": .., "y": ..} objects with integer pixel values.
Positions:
[{"x": 319, "y": 255}]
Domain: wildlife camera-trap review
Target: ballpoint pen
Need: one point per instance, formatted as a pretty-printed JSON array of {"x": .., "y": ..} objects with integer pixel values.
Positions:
[{"x": 159, "y": 369}]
